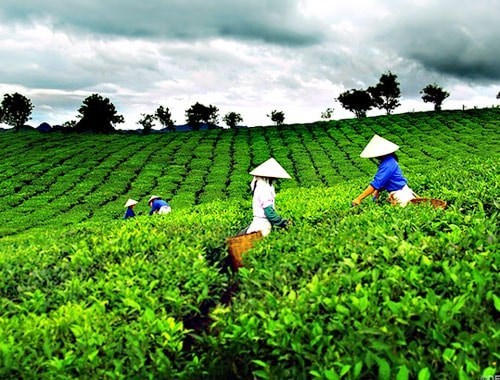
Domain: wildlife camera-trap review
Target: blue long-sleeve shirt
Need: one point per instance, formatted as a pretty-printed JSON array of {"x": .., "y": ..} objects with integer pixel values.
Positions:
[
  {"x": 129, "y": 213},
  {"x": 156, "y": 205},
  {"x": 389, "y": 175}
]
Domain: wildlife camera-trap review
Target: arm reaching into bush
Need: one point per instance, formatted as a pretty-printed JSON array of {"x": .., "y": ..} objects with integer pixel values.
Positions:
[
  {"x": 274, "y": 218},
  {"x": 369, "y": 190}
]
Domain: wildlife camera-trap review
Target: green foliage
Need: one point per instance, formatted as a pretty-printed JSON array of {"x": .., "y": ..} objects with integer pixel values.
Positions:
[
  {"x": 397, "y": 290},
  {"x": 357, "y": 101},
  {"x": 164, "y": 116},
  {"x": 432, "y": 93},
  {"x": 109, "y": 300},
  {"x": 147, "y": 123},
  {"x": 15, "y": 110},
  {"x": 327, "y": 114},
  {"x": 386, "y": 93},
  {"x": 199, "y": 113},
  {"x": 369, "y": 292},
  {"x": 97, "y": 114},
  {"x": 232, "y": 119},
  {"x": 277, "y": 117}
]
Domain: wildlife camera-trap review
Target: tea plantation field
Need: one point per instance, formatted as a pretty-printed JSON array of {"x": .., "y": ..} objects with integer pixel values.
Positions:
[{"x": 369, "y": 292}]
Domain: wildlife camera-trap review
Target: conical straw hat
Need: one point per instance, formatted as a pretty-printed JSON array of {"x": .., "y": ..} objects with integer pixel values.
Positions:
[
  {"x": 130, "y": 202},
  {"x": 153, "y": 197},
  {"x": 270, "y": 169},
  {"x": 378, "y": 146}
]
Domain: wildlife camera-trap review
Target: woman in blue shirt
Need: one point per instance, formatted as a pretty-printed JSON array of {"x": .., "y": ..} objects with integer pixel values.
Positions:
[
  {"x": 130, "y": 209},
  {"x": 389, "y": 175},
  {"x": 158, "y": 205}
]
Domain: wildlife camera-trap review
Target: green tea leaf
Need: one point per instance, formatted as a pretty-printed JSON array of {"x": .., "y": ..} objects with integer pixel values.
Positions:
[
  {"x": 261, "y": 374},
  {"x": 424, "y": 374},
  {"x": 448, "y": 354},
  {"x": 403, "y": 373},
  {"x": 92, "y": 355},
  {"x": 330, "y": 374},
  {"x": 260, "y": 363},
  {"x": 384, "y": 369},
  {"x": 315, "y": 374},
  {"x": 131, "y": 303},
  {"x": 342, "y": 309},
  {"x": 345, "y": 368},
  {"x": 357, "y": 369},
  {"x": 496, "y": 301}
]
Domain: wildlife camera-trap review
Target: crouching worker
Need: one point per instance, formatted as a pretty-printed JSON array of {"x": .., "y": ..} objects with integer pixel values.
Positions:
[
  {"x": 130, "y": 209},
  {"x": 262, "y": 185},
  {"x": 158, "y": 206},
  {"x": 389, "y": 175}
]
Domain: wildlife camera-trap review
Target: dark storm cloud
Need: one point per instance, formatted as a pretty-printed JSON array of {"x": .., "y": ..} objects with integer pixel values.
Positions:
[
  {"x": 455, "y": 39},
  {"x": 271, "y": 21}
]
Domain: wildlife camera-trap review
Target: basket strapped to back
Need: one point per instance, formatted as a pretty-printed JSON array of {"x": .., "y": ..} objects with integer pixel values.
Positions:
[
  {"x": 436, "y": 203},
  {"x": 237, "y": 245}
]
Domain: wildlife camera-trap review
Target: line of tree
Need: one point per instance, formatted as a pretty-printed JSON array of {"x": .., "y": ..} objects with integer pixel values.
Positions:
[
  {"x": 385, "y": 95},
  {"x": 98, "y": 114}
]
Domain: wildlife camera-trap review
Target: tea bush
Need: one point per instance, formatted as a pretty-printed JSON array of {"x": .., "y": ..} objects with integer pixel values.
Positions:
[{"x": 369, "y": 292}]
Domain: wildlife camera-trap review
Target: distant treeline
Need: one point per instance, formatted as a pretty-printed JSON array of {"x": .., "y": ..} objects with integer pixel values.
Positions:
[{"x": 98, "y": 114}]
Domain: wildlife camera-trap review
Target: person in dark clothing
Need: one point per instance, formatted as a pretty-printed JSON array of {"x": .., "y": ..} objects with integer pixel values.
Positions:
[{"x": 130, "y": 209}]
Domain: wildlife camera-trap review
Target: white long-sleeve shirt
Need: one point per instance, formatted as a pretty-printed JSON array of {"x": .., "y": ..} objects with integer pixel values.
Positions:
[{"x": 263, "y": 196}]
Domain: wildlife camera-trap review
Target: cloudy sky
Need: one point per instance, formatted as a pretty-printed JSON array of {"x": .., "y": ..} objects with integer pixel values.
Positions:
[{"x": 246, "y": 56}]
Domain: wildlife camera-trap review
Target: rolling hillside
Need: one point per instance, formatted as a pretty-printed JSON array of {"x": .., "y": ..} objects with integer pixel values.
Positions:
[
  {"x": 367, "y": 292},
  {"x": 58, "y": 179}
]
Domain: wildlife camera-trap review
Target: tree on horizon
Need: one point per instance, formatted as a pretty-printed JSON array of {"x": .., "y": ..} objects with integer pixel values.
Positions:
[
  {"x": 232, "y": 119},
  {"x": 97, "y": 114},
  {"x": 199, "y": 113},
  {"x": 432, "y": 93},
  {"x": 147, "y": 123},
  {"x": 386, "y": 93},
  {"x": 70, "y": 124},
  {"x": 163, "y": 115},
  {"x": 357, "y": 101},
  {"x": 327, "y": 114},
  {"x": 277, "y": 117},
  {"x": 15, "y": 110}
]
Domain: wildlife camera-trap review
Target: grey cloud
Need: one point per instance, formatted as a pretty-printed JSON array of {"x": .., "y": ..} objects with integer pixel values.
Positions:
[
  {"x": 74, "y": 66},
  {"x": 276, "y": 22},
  {"x": 455, "y": 39},
  {"x": 43, "y": 74},
  {"x": 460, "y": 54}
]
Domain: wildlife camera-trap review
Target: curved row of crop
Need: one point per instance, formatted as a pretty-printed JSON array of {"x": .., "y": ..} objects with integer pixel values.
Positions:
[
  {"x": 61, "y": 200},
  {"x": 23, "y": 168},
  {"x": 237, "y": 184},
  {"x": 366, "y": 292},
  {"x": 69, "y": 178}
]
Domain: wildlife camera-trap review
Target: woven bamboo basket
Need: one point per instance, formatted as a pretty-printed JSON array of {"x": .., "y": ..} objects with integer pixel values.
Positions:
[
  {"x": 436, "y": 203},
  {"x": 237, "y": 245}
]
